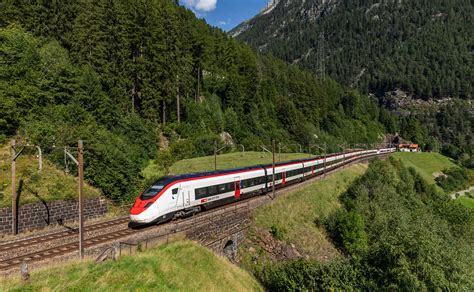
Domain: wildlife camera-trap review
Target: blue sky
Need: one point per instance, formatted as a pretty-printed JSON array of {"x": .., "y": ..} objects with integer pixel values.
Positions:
[{"x": 225, "y": 14}]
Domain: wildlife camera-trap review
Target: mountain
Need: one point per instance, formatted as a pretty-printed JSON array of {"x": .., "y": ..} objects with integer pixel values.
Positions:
[
  {"x": 142, "y": 80},
  {"x": 421, "y": 47}
]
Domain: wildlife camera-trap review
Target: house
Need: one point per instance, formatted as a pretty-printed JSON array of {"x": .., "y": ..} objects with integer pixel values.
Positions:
[{"x": 409, "y": 148}]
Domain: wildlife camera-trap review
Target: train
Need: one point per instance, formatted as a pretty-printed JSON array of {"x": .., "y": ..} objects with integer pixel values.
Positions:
[{"x": 177, "y": 196}]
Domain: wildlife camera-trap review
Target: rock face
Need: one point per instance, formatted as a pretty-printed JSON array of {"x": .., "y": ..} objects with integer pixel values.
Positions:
[
  {"x": 227, "y": 139},
  {"x": 276, "y": 249}
]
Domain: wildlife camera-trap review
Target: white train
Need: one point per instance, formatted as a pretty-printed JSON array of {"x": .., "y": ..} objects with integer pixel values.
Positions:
[{"x": 181, "y": 195}]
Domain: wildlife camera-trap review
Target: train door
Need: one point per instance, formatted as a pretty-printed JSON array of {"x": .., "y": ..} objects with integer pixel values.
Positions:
[
  {"x": 283, "y": 178},
  {"x": 237, "y": 187},
  {"x": 312, "y": 169},
  {"x": 184, "y": 198}
]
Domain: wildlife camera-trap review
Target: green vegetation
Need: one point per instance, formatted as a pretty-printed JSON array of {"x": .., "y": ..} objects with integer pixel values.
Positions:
[
  {"x": 397, "y": 233},
  {"x": 427, "y": 164},
  {"x": 50, "y": 184},
  {"x": 293, "y": 216},
  {"x": 228, "y": 160},
  {"x": 454, "y": 179},
  {"x": 467, "y": 201},
  {"x": 421, "y": 47},
  {"x": 112, "y": 73},
  {"x": 179, "y": 266}
]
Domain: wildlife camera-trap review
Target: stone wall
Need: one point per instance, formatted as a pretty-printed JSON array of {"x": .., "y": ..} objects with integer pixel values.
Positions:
[{"x": 40, "y": 215}]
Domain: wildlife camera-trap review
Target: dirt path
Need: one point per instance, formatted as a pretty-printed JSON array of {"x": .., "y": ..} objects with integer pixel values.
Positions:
[{"x": 461, "y": 193}]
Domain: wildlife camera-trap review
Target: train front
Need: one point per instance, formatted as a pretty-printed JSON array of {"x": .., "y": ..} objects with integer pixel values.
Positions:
[{"x": 150, "y": 206}]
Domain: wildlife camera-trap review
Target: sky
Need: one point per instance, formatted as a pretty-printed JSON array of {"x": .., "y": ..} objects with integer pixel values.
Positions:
[{"x": 225, "y": 14}]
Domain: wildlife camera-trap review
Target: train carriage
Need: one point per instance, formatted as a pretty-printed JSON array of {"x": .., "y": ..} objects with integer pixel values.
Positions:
[{"x": 178, "y": 196}]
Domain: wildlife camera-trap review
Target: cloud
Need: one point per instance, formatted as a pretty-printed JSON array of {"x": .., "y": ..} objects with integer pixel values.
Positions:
[
  {"x": 201, "y": 5},
  {"x": 222, "y": 22}
]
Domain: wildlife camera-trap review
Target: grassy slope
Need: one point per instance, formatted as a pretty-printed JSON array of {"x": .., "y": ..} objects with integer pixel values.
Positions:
[
  {"x": 294, "y": 214},
  {"x": 51, "y": 184},
  {"x": 427, "y": 164},
  {"x": 466, "y": 201},
  {"x": 224, "y": 161},
  {"x": 179, "y": 266}
]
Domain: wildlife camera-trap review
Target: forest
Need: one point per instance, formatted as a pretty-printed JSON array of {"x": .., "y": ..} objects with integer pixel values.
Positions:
[
  {"x": 130, "y": 78},
  {"x": 395, "y": 231},
  {"x": 423, "y": 48}
]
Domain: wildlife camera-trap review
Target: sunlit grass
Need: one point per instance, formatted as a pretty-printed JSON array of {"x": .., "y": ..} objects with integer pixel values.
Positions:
[
  {"x": 49, "y": 184},
  {"x": 224, "y": 161},
  {"x": 179, "y": 266},
  {"x": 466, "y": 200},
  {"x": 426, "y": 163},
  {"x": 295, "y": 214}
]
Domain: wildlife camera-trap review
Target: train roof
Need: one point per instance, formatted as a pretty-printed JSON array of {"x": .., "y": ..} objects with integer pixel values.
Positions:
[{"x": 172, "y": 178}]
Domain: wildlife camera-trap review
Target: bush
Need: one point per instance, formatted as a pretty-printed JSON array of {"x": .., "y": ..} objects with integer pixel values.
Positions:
[
  {"x": 453, "y": 179},
  {"x": 308, "y": 275},
  {"x": 347, "y": 229}
]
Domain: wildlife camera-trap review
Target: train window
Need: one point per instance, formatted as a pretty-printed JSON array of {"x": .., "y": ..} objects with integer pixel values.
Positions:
[
  {"x": 230, "y": 187},
  {"x": 212, "y": 190},
  {"x": 222, "y": 188},
  {"x": 200, "y": 193},
  {"x": 174, "y": 191},
  {"x": 244, "y": 184},
  {"x": 151, "y": 192},
  {"x": 252, "y": 182}
]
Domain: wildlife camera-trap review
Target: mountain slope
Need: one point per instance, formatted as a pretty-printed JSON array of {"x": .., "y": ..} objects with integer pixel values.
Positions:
[
  {"x": 422, "y": 47},
  {"x": 137, "y": 80}
]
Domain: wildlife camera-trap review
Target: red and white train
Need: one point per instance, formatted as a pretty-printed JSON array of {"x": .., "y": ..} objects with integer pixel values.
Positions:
[{"x": 181, "y": 195}]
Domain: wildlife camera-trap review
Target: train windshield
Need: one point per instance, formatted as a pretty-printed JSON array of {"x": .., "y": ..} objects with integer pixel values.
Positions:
[{"x": 151, "y": 192}]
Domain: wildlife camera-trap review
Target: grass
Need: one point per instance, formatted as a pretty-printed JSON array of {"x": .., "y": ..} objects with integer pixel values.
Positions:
[
  {"x": 51, "y": 184},
  {"x": 229, "y": 160},
  {"x": 296, "y": 214},
  {"x": 178, "y": 266},
  {"x": 428, "y": 164},
  {"x": 466, "y": 201}
]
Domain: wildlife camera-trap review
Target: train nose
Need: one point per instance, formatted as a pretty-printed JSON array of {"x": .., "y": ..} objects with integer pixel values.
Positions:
[{"x": 140, "y": 206}]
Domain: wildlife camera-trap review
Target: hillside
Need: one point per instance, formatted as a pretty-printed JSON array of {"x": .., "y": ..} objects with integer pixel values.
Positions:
[
  {"x": 148, "y": 80},
  {"x": 49, "y": 184},
  {"x": 224, "y": 161},
  {"x": 291, "y": 221},
  {"x": 388, "y": 229},
  {"x": 414, "y": 56},
  {"x": 179, "y": 266},
  {"x": 422, "y": 47},
  {"x": 428, "y": 165}
]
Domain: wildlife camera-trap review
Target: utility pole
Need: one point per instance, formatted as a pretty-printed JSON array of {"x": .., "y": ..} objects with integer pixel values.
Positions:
[
  {"x": 14, "y": 193},
  {"x": 40, "y": 159},
  {"x": 15, "y": 154},
  {"x": 178, "y": 114},
  {"x": 325, "y": 157},
  {"x": 273, "y": 169},
  {"x": 279, "y": 151},
  {"x": 80, "y": 170},
  {"x": 215, "y": 155}
]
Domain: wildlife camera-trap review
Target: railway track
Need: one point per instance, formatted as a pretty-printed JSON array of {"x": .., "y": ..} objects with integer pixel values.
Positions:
[
  {"x": 62, "y": 249},
  {"x": 59, "y": 235}
]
